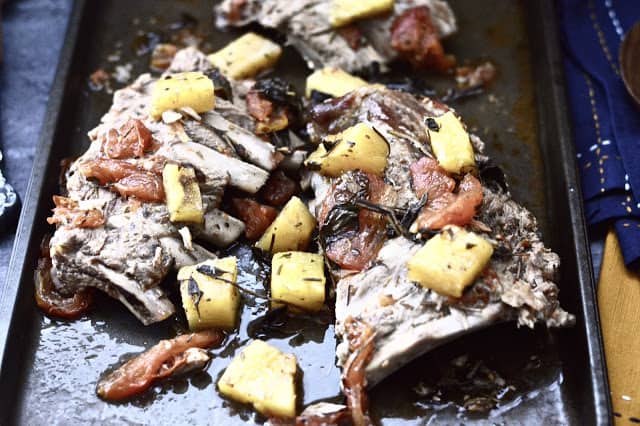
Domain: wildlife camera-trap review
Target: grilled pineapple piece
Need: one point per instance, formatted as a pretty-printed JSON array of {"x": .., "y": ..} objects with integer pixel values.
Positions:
[
  {"x": 298, "y": 278},
  {"x": 291, "y": 230},
  {"x": 182, "y": 193},
  {"x": 344, "y": 12},
  {"x": 450, "y": 143},
  {"x": 450, "y": 261},
  {"x": 208, "y": 298},
  {"x": 358, "y": 147},
  {"x": 263, "y": 376},
  {"x": 333, "y": 81},
  {"x": 246, "y": 56},
  {"x": 187, "y": 89}
]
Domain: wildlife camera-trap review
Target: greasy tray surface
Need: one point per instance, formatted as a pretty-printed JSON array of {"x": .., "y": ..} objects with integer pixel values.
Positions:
[{"x": 50, "y": 367}]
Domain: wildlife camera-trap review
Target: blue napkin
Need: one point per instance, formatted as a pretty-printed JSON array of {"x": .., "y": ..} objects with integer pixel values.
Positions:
[{"x": 605, "y": 119}]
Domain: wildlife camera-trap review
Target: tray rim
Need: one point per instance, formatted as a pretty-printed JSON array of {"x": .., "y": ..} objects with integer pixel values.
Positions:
[
  {"x": 557, "y": 114},
  {"x": 9, "y": 292}
]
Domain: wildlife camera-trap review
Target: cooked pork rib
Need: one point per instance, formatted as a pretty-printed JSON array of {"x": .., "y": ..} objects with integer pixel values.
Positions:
[
  {"x": 306, "y": 25},
  {"x": 408, "y": 319},
  {"x": 138, "y": 245}
]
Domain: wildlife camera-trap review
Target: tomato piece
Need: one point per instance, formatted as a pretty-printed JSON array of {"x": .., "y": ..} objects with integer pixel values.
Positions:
[
  {"x": 51, "y": 302},
  {"x": 453, "y": 209},
  {"x": 128, "y": 179},
  {"x": 352, "y": 35},
  {"x": 415, "y": 38},
  {"x": 161, "y": 361},
  {"x": 256, "y": 217},
  {"x": 354, "y": 382},
  {"x": 144, "y": 186},
  {"x": 131, "y": 140},
  {"x": 278, "y": 189},
  {"x": 427, "y": 177},
  {"x": 354, "y": 245},
  {"x": 108, "y": 170},
  {"x": 67, "y": 213}
]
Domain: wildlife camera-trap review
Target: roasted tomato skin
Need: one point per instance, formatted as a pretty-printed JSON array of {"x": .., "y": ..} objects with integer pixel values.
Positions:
[
  {"x": 144, "y": 186},
  {"x": 258, "y": 107},
  {"x": 131, "y": 140},
  {"x": 428, "y": 178},
  {"x": 352, "y": 35},
  {"x": 235, "y": 11},
  {"x": 67, "y": 213},
  {"x": 278, "y": 189},
  {"x": 54, "y": 304},
  {"x": 269, "y": 117},
  {"x": 108, "y": 170},
  {"x": 452, "y": 209},
  {"x": 355, "y": 248},
  {"x": 415, "y": 38},
  {"x": 160, "y": 361},
  {"x": 127, "y": 178},
  {"x": 256, "y": 217},
  {"x": 354, "y": 381}
]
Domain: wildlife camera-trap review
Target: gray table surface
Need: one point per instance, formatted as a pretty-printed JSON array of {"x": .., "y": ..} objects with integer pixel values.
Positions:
[{"x": 33, "y": 33}]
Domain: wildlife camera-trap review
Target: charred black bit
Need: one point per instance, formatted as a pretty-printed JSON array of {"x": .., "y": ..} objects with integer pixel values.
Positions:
[
  {"x": 281, "y": 93},
  {"x": 221, "y": 85},
  {"x": 493, "y": 176},
  {"x": 372, "y": 72},
  {"x": 453, "y": 95},
  {"x": 502, "y": 252},
  {"x": 411, "y": 213},
  {"x": 277, "y": 91},
  {"x": 195, "y": 293},
  {"x": 432, "y": 124},
  {"x": 281, "y": 140},
  {"x": 342, "y": 219},
  {"x": 318, "y": 97},
  {"x": 210, "y": 271}
]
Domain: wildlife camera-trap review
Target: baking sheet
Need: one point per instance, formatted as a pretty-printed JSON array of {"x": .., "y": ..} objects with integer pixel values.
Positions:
[{"x": 50, "y": 367}]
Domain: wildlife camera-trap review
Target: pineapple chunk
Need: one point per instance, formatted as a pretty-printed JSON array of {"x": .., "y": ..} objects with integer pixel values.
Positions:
[
  {"x": 187, "y": 89},
  {"x": 291, "y": 230},
  {"x": 358, "y": 147},
  {"x": 263, "y": 376},
  {"x": 333, "y": 81},
  {"x": 450, "y": 261},
  {"x": 450, "y": 143},
  {"x": 344, "y": 12},
  {"x": 246, "y": 56},
  {"x": 298, "y": 278},
  {"x": 210, "y": 302},
  {"x": 182, "y": 193}
]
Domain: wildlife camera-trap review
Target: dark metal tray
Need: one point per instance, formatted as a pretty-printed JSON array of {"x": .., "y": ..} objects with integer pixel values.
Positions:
[{"x": 49, "y": 368}]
